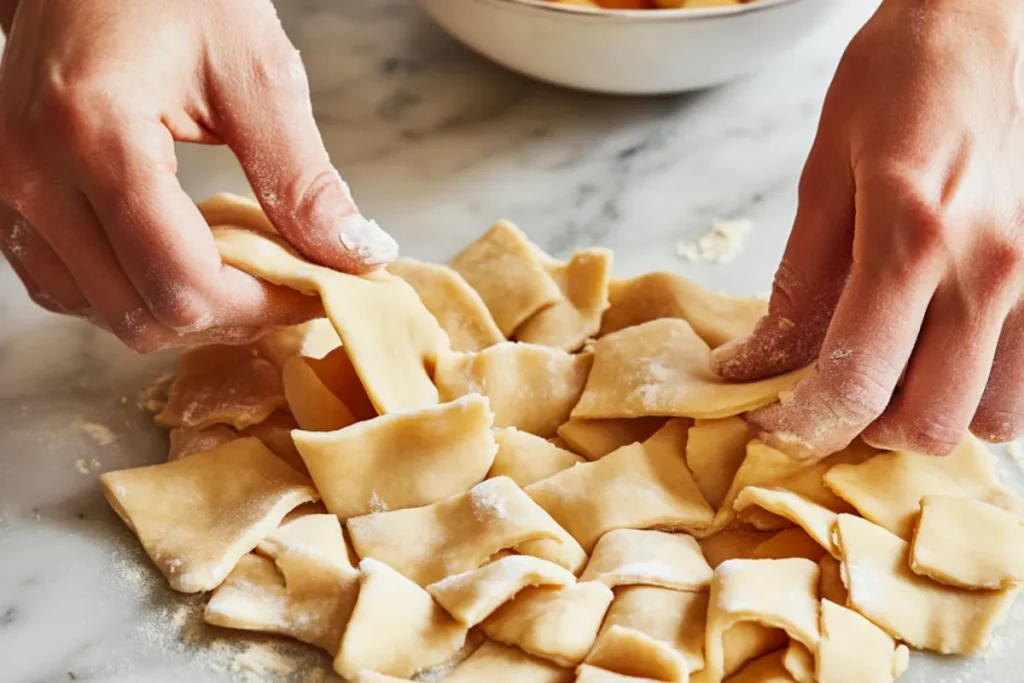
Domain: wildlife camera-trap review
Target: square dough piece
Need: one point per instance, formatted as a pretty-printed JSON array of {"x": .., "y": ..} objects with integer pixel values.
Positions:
[
  {"x": 662, "y": 368},
  {"x": 504, "y": 269},
  {"x": 401, "y": 460},
  {"x": 594, "y": 439},
  {"x": 676, "y": 618},
  {"x": 458, "y": 307},
  {"x": 853, "y": 650},
  {"x": 967, "y": 543},
  {"x": 525, "y": 458},
  {"x": 632, "y": 653},
  {"x": 715, "y": 449},
  {"x": 198, "y": 516},
  {"x": 626, "y": 557}
]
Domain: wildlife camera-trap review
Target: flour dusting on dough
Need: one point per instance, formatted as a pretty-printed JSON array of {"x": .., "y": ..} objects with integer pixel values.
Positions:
[{"x": 487, "y": 503}]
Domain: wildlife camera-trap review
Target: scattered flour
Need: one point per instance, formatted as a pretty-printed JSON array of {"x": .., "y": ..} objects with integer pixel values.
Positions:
[
  {"x": 720, "y": 244},
  {"x": 99, "y": 433},
  {"x": 377, "y": 504},
  {"x": 260, "y": 659}
]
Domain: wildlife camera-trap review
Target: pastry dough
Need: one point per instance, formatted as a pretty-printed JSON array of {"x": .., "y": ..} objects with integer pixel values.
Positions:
[
  {"x": 393, "y": 354},
  {"x": 808, "y": 481},
  {"x": 367, "y": 676},
  {"x": 816, "y": 520},
  {"x": 779, "y": 594},
  {"x": 457, "y": 534},
  {"x": 401, "y": 460},
  {"x": 497, "y": 663},
  {"x": 744, "y": 643},
  {"x": 396, "y": 627},
  {"x": 920, "y": 612},
  {"x": 275, "y": 432},
  {"x": 853, "y": 650},
  {"x": 503, "y": 267},
  {"x": 186, "y": 441},
  {"x": 473, "y": 596},
  {"x": 831, "y": 584},
  {"x": 625, "y": 557},
  {"x": 887, "y": 489},
  {"x": 594, "y": 439},
  {"x": 314, "y": 406},
  {"x": 676, "y": 618},
  {"x": 525, "y": 458},
  {"x": 968, "y": 543},
  {"x": 558, "y": 624},
  {"x": 631, "y": 653},
  {"x": 307, "y": 589},
  {"x": 734, "y": 543},
  {"x": 338, "y": 374},
  {"x": 717, "y": 318},
  {"x": 458, "y": 308},
  {"x": 799, "y": 662},
  {"x": 532, "y": 388},
  {"x": 789, "y": 543},
  {"x": 768, "y": 669},
  {"x": 577, "y": 317},
  {"x": 663, "y": 368},
  {"x": 635, "y": 488},
  {"x": 715, "y": 449},
  {"x": 198, "y": 516},
  {"x": 225, "y": 208},
  {"x": 593, "y": 674}
]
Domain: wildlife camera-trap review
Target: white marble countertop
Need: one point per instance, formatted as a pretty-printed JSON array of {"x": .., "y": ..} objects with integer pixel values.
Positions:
[{"x": 436, "y": 143}]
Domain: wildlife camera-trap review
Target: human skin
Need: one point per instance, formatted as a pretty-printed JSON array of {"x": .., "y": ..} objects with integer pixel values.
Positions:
[
  {"x": 92, "y": 218},
  {"x": 902, "y": 277}
]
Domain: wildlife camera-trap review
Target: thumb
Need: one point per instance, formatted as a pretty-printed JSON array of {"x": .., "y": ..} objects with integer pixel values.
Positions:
[
  {"x": 808, "y": 283},
  {"x": 267, "y": 121}
]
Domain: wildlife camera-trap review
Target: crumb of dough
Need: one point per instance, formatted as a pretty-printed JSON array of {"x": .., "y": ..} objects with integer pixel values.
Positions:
[
  {"x": 720, "y": 244},
  {"x": 99, "y": 433}
]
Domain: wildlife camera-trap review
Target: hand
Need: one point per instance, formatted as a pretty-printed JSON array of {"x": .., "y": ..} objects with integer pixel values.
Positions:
[
  {"x": 92, "y": 97},
  {"x": 903, "y": 273}
]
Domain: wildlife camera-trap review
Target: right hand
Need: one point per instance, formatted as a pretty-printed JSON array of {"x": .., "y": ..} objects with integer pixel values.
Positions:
[{"x": 93, "y": 96}]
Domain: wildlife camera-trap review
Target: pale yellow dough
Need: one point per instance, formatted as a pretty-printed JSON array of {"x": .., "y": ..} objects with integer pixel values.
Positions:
[
  {"x": 675, "y": 618},
  {"x": 888, "y": 488},
  {"x": 458, "y": 308},
  {"x": 396, "y": 627},
  {"x": 525, "y": 458},
  {"x": 916, "y": 610},
  {"x": 594, "y": 439},
  {"x": 593, "y": 674},
  {"x": 853, "y": 650},
  {"x": 196, "y": 517},
  {"x": 275, "y": 432},
  {"x": 577, "y": 317},
  {"x": 505, "y": 270},
  {"x": 627, "y": 557},
  {"x": 225, "y": 208},
  {"x": 816, "y": 520},
  {"x": 715, "y": 449},
  {"x": 789, "y": 543},
  {"x": 314, "y": 406},
  {"x": 401, "y": 460},
  {"x": 779, "y": 594},
  {"x": 462, "y": 532},
  {"x": 473, "y": 596},
  {"x": 558, "y": 624},
  {"x": 632, "y": 653},
  {"x": 768, "y": 669},
  {"x": 637, "y": 487},
  {"x": 663, "y": 368},
  {"x": 968, "y": 543},
  {"x": 496, "y": 663},
  {"x": 799, "y": 662},
  {"x": 715, "y": 317},
  {"x": 393, "y": 354},
  {"x": 831, "y": 585},
  {"x": 530, "y": 387},
  {"x": 734, "y": 543},
  {"x": 307, "y": 589}
]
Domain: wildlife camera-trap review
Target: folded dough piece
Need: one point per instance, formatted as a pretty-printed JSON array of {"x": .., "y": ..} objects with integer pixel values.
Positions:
[
  {"x": 734, "y": 543},
  {"x": 635, "y": 487},
  {"x": 396, "y": 627},
  {"x": 888, "y": 488},
  {"x": 225, "y": 208},
  {"x": 809, "y": 481},
  {"x": 367, "y": 676},
  {"x": 458, "y": 307},
  {"x": 186, "y": 441},
  {"x": 717, "y": 318},
  {"x": 789, "y": 543},
  {"x": 314, "y": 406},
  {"x": 307, "y": 589},
  {"x": 472, "y": 596},
  {"x": 799, "y": 662},
  {"x": 337, "y": 373},
  {"x": 632, "y": 653},
  {"x": 568, "y": 323},
  {"x": 457, "y": 534},
  {"x": 198, "y": 516},
  {"x": 967, "y": 543},
  {"x": 780, "y": 594},
  {"x": 625, "y": 557},
  {"x": 390, "y": 337},
  {"x": 504, "y": 269},
  {"x": 816, "y": 520},
  {"x": 768, "y": 669},
  {"x": 831, "y": 585},
  {"x": 715, "y": 449},
  {"x": 674, "y": 618},
  {"x": 594, "y": 439},
  {"x": 496, "y": 663},
  {"x": 558, "y": 624},
  {"x": 853, "y": 650},
  {"x": 920, "y": 612},
  {"x": 530, "y": 387},
  {"x": 592, "y": 674},
  {"x": 525, "y": 458},
  {"x": 401, "y": 460},
  {"x": 663, "y": 368},
  {"x": 275, "y": 432}
]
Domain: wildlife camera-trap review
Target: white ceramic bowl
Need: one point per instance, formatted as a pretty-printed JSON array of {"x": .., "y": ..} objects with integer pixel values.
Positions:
[{"x": 630, "y": 51}]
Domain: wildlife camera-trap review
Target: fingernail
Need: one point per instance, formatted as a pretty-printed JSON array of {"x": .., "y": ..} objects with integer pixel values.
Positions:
[{"x": 366, "y": 240}]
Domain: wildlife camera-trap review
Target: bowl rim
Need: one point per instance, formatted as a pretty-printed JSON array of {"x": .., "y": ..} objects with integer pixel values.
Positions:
[{"x": 648, "y": 15}]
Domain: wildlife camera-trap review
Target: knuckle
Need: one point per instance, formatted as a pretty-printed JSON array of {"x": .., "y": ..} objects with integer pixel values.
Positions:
[
  {"x": 75, "y": 107},
  {"x": 310, "y": 192},
  {"x": 999, "y": 269},
  {"x": 922, "y": 220},
  {"x": 934, "y": 434},
  {"x": 859, "y": 394}
]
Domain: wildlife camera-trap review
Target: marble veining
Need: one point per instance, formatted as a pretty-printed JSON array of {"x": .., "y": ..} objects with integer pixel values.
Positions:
[{"x": 436, "y": 143}]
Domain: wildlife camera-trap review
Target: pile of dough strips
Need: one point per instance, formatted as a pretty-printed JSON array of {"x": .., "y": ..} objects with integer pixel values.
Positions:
[{"x": 513, "y": 469}]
